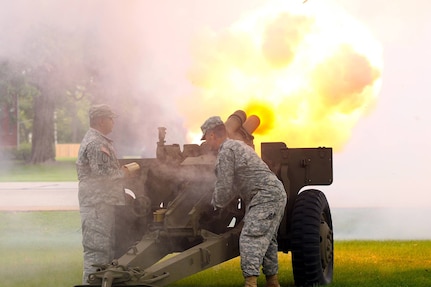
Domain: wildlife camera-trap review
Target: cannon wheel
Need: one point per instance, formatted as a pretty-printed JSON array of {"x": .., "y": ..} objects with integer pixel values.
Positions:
[{"x": 312, "y": 240}]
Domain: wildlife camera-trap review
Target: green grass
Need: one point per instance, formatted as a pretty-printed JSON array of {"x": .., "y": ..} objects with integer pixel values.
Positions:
[
  {"x": 61, "y": 170},
  {"x": 357, "y": 263},
  {"x": 40, "y": 249},
  {"x": 44, "y": 249},
  {"x": 383, "y": 263}
]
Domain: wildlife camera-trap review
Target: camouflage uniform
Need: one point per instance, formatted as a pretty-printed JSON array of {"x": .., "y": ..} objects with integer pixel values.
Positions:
[
  {"x": 241, "y": 172},
  {"x": 100, "y": 189}
]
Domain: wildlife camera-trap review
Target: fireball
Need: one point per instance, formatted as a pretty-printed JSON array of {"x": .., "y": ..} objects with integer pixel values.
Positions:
[{"x": 309, "y": 71}]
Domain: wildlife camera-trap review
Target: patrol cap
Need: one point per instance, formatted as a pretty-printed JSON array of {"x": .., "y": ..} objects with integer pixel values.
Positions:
[
  {"x": 209, "y": 124},
  {"x": 102, "y": 110}
]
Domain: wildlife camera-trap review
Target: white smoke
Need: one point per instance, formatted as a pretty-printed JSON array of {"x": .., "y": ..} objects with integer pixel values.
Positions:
[{"x": 144, "y": 47}]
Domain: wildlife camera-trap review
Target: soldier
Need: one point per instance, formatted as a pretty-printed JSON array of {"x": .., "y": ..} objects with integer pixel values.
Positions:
[
  {"x": 240, "y": 171},
  {"x": 100, "y": 189}
]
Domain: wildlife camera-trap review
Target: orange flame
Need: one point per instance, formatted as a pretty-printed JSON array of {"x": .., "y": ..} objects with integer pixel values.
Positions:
[
  {"x": 310, "y": 72},
  {"x": 265, "y": 113}
]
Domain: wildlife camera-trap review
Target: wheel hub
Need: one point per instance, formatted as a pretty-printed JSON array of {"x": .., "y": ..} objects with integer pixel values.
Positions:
[{"x": 326, "y": 247}]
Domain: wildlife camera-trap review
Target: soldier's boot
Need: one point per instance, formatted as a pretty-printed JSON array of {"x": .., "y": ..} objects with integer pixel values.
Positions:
[
  {"x": 272, "y": 281},
  {"x": 251, "y": 281}
]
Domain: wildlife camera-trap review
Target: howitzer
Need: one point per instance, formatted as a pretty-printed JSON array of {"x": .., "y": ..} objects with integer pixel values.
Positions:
[{"x": 168, "y": 230}]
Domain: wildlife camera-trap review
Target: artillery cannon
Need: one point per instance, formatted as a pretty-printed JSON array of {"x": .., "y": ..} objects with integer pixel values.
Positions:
[{"x": 168, "y": 230}]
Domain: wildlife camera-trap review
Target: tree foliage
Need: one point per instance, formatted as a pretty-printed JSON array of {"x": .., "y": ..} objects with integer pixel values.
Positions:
[
  {"x": 52, "y": 83},
  {"x": 10, "y": 86},
  {"x": 56, "y": 68},
  {"x": 16, "y": 94}
]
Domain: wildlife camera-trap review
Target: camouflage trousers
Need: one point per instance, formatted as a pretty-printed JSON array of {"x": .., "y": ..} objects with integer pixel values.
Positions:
[
  {"x": 258, "y": 240},
  {"x": 97, "y": 236}
]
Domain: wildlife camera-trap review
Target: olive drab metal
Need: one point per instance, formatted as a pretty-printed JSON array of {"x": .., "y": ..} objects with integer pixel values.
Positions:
[{"x": 168, "y": 214}]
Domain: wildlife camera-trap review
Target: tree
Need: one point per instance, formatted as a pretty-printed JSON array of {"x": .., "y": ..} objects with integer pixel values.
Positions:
[
  {"x": 57, "y": 68},
  {"x": 16, "y": 94},
  {"x": 43, "y": 144},
  {"x": 10, "y": 83},
  {"x": 72, "y": 117}
]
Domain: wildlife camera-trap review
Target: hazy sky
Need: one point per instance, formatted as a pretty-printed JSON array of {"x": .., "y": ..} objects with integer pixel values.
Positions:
[
  {"x": 383, "y": 160},
  {"x": 386, "y": 161}
]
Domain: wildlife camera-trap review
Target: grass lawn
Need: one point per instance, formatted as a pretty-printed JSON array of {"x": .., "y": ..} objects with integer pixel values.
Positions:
[
  {"x": 40, "y": 249},
  {"x": 44, "y": 249},
  {"x": 60, "y": 170}
]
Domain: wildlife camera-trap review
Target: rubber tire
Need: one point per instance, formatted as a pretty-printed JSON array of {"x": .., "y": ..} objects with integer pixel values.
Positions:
[{"x": 312, "y": 240}]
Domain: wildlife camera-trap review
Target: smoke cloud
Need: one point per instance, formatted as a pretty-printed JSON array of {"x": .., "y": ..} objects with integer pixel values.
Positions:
[
  {"x": 310, "y": 71},
  {"x": 381, "y": 223},
  {"x": 156, "y": 63},
  {"x": 117, "y": 41},
  {"x": 291, "y": 64}
]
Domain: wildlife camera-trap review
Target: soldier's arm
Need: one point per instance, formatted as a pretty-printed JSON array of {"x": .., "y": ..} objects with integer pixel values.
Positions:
[
  {"x": 224, "y": 190},
  {"x": 100, "y": 161}
]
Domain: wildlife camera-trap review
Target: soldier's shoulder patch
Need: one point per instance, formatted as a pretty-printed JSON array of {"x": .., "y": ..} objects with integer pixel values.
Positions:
[{"x": 105, "y": 150}]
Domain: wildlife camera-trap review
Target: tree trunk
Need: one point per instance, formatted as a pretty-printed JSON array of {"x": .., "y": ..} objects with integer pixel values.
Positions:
[{"x": 43, "y": 145}]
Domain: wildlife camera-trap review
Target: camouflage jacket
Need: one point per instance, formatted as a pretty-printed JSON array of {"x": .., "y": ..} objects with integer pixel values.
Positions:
[
  {"x": 241, "y": 172},
  {"x": 99, "y": 172}
]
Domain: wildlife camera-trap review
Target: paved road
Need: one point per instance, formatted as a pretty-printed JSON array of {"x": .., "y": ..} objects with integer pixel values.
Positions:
[{"x": 38, "y": 196}]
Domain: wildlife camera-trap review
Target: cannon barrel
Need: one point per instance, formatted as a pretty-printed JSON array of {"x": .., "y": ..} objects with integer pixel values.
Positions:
[{"x": 241, "y": 127}]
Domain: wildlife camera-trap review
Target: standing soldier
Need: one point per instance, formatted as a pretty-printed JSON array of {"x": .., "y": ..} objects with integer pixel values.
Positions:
[
  {"x": 240, "y": 171},
  {"x": 100, "y": 189}
]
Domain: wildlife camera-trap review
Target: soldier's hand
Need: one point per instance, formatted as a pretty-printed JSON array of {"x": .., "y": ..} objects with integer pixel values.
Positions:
[{"x": 126, "y": 172}]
